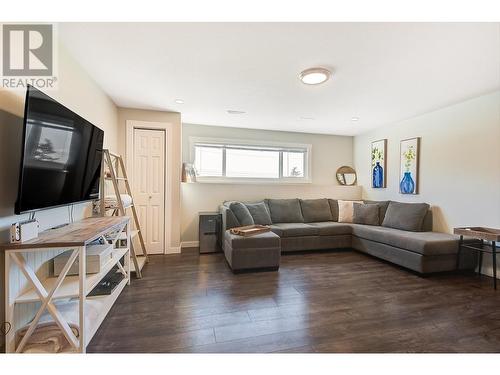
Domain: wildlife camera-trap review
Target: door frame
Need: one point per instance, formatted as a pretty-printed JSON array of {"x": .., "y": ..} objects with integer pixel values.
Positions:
[{"x": 131, "y": 125}]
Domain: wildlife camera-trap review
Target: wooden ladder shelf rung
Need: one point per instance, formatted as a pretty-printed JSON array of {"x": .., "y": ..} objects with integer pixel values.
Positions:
[{"x": 116, "y": 168}]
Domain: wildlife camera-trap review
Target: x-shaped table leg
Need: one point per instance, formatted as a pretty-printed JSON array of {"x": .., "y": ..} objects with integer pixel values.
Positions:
[{"x": 46, "y": 299}]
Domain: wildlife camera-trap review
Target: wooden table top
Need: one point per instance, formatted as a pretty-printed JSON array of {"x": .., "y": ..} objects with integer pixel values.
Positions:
[
  {"x": 482, "y": 233},
  {"x": 79, "y": 233}
]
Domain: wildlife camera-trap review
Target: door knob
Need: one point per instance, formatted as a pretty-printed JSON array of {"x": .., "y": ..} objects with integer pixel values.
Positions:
[{"x": 150, "y": 196}]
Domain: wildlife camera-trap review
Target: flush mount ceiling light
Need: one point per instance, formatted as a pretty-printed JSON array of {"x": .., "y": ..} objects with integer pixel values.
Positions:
[
  {"x": 354, "y": 119},
  {"x": 307, "y": 118},
  {"x": 315, "y": 76},
  {"x": 179, "y": 101},
  {"x": 235, "y": 112}
]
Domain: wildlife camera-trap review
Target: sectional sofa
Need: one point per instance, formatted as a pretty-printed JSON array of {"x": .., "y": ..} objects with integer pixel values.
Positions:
[{"x": 313, "y": 224}]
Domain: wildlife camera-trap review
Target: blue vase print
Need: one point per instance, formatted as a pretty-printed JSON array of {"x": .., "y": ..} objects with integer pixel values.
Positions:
[
  {"x": 378, "y": 176},
  {"x": 407, "y": 185}
]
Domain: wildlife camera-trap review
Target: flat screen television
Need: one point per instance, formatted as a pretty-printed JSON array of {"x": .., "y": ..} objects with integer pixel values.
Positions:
[{"x": 61, "y": 156}]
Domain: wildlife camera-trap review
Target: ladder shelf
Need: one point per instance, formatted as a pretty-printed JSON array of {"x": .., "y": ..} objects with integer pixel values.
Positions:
[{"x": 113, "y": 169}]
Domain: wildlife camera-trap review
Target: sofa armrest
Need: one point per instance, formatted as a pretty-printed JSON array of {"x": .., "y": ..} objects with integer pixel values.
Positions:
[{"x": 228, "y": 219}]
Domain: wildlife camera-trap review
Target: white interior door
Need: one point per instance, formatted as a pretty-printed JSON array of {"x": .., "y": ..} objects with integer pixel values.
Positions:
[{"x": 149, "y": 186}]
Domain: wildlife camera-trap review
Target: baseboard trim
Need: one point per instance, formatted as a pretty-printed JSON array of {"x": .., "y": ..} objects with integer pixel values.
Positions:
[
  {"x": 190, "y": 244},
  {"x": 174, "y": 250}
]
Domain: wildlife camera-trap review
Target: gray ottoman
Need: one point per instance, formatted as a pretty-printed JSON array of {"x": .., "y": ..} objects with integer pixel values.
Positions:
[{"x": 260, "y": 252}]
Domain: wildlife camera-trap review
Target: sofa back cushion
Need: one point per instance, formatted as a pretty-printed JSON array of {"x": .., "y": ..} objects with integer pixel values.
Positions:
[
  {"x": 367, "y": 214},
  {"x": 405, "y": 216},
  {"x": 334, "y": 209},
  {"x": 285, "y": 210},
  {"x": 242, "y": 213},
  {"x": 315, "y": 210},
  {"x": 382, "y": 205},
  {"x": 260, "y": 213}
]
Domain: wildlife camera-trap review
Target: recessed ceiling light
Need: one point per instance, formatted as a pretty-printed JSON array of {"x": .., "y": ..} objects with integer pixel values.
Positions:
[
  {"x": 307, "y": 118},
  {"x": 315, "y": 76},
  {"x": 235, "y": 112},
  {"x": 179, "y": 101},
  {"x": 354, "y": 119}
]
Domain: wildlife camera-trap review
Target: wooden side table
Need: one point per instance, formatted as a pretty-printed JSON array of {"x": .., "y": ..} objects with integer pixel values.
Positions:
[{"x": 484, "y": 236}]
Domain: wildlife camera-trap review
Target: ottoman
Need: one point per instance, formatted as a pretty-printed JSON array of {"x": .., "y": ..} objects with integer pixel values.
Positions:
[{"x": 261, "y": 252}]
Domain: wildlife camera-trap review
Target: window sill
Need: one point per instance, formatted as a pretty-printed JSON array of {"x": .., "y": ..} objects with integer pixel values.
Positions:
[{"x": 253, "y": 181}]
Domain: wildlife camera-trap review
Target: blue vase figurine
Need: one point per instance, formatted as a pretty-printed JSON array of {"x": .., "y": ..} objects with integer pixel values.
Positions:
[
  {"x": 378, "y": 176},
  {"x": 407, "y": 185}
]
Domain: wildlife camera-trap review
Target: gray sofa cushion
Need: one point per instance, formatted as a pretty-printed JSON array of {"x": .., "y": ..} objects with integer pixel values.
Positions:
[
  {"x": 330, "y": 228},
  {"x": 315, "y": 210},
  {"x": 259, "y": 212},
  {"x": 334, "y": 208},
  {"x": 242, "y": 213},
  {"x": 294, "y": 229},
  {"x": 412, "y": 260},
  {"x": 382, "y": 208},
  {"x": 285, "y": 210},
  {"x": 425, "y": 243},
  {"x": 405, "y": 216},
  {"x": 367, "y": 214}
]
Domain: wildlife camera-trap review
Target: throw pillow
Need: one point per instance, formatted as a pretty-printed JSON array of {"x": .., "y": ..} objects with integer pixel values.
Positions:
[
  {"x": 242, "y": 213},
  {"x": 367, "y": 214},
  {"x": 405, "y": 216},
  {"x": 334, "y": 208},
  {"x": 382, "y": 205},
  {"x": 346, "y": 211},
  {"x": 259, "y": 212},
  {"x": 315, "y": 210},
  {"x": 285, "y": 210}
]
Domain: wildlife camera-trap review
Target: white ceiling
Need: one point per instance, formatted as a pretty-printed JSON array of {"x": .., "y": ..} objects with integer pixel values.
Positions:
[{"x": 383, "y": 72}]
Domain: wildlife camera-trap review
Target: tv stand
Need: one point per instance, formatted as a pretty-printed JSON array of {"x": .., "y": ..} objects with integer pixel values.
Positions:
[{"x": 27, "y": 301}]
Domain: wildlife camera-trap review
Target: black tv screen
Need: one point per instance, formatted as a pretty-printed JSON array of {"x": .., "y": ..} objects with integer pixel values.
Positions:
[{"x": 61, "y": 157}]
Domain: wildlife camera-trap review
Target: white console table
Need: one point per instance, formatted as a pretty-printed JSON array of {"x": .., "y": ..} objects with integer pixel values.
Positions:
[{"x": 41, "y": 288}]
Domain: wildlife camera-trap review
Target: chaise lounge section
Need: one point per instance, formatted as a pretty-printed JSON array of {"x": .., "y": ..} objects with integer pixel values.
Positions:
[{"x": 312, "y": 224}]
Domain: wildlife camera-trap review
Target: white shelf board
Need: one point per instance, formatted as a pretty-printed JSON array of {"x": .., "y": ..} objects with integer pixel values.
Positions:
[
  {"x": 141, "y": 260},
  {"x": 107, "y": 302},
  {"x": 70, "y": 284},
  {"x": 108, "y": 208},
  {"x": 123, "y": 235}
]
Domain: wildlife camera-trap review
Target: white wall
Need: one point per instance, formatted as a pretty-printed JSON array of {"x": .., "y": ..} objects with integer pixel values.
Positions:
[
  {"x": 459, "y": 162},
  {"x": 81, "y": 94},
  {"x": 328, "y": 153}
]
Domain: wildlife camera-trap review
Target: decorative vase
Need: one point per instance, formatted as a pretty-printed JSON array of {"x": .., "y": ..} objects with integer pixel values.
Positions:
[
  {"x": 407, "y": 185},
  {"x": 378, "y": 176}
]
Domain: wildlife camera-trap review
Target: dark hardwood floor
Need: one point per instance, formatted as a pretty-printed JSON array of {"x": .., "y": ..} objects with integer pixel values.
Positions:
[{"x": 317, "y": 302}]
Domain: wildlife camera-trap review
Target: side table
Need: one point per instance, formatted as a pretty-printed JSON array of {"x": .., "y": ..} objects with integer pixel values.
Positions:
[
  {"x": 209, "y": 232},
  {"x": 484, "y": 236}
]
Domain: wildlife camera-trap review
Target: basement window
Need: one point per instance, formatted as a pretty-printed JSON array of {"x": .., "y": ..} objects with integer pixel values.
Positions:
[{"x": 231, "y": 161}]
